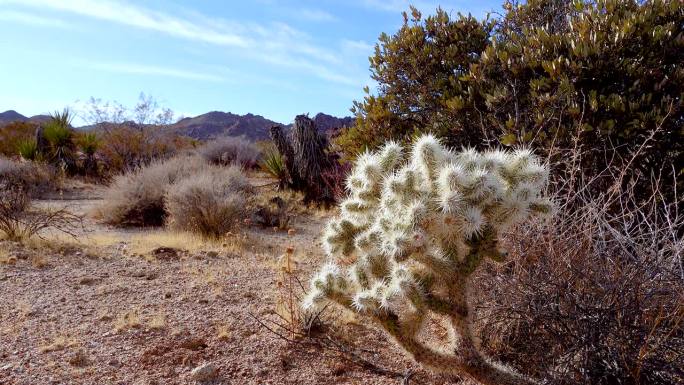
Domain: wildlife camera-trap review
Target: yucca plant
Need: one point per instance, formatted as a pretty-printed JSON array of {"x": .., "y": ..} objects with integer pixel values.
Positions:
[
  {"x": 88, "y": 143},
  {"x": 28, "y": 149},
  {"x": 59, "y": 135},
  {"x": 273, "y": 163}
]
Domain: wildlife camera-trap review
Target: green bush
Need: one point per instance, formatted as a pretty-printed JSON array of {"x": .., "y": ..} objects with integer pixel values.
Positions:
[
  {"x": 59, "y": 136},
  {"x": 14, "y": 133},
  {"x": 273, "y": 163},
  {"x": 601, "y": 77},
  {"x": 28, "y": 149}
]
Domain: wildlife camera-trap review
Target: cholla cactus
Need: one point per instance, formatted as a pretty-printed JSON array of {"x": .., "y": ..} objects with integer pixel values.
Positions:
[{"x": 411, "y": 233}]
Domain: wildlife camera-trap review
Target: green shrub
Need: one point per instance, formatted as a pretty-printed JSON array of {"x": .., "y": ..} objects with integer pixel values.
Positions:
[
  {"x": 88, "y": 143},
  {"x": 553, "y": 74},
  {"x": 28, "y": 149},
  {"x": 14, "y": 133},
  {"x": 209, "y": 202},
  {"x": 59, "y": 135},
  {"x": 272, "y": 162}
]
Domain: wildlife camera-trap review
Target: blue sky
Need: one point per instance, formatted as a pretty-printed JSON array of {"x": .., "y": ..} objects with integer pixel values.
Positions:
[{"x": 272, "y": 58}]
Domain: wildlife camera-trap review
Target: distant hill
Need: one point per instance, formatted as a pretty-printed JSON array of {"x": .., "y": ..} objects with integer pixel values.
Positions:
[
  {"x": 13, "y": 116},
  {"x": 255, "y": 127},
  {"x": 215, "y": 124}
]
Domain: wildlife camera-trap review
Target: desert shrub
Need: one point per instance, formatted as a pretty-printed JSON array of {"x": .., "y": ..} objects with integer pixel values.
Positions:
[
  {"x": 12, "y": 134},
  {"x": 595, "y": 296},
  {"x": 28, "y": 149},
  {"x": 555, "y": 74},
  {"x": 88, "y": 144},
  {"x": 33, "y": 178},
  {"x": 18, "y": 222},
  {"x": 231, "y": 151},
  {"x": 137, "y": 198},
  {"x": 411, "y": 235},
  {"x": 59, "y": 136},
  {"x": 209, "y": 202},
  {"x": 273, "y": 163},
  {"x": 125, "y": 148}
]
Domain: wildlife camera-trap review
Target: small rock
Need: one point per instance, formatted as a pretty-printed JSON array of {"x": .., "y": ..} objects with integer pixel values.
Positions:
[
  {"x": 79, "y": 359},
  {"x": 114, "y": 362},
  {"x": 204, "y": 372},
  {"x": 167, "y": 295},
  {"x": 88, "y": 280},
  {"x": 166, "y": 253},
  {"x": 194, "y": 344},
  {"x": 212, "y": 254}
]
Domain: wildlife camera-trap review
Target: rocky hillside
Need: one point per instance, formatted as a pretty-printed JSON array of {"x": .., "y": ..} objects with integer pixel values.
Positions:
[
  {"x": 254, "y": 127},
  {"x": 215, "y": 124},
  {"x": 13, "y": 116}
]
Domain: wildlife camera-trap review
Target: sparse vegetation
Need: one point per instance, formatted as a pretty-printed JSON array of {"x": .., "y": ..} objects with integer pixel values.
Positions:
[
  {"x": 599, "y": 292},
  {"x": 210, "y": 202},
  {"x": 138, "y": 197},
  {"x": 231, "y": 151},
  {"x": 512, "y": 215},
  {"x": 12, "y": 134}
]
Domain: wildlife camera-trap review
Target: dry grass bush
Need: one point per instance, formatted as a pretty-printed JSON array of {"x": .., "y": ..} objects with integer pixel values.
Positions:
[
  {"x": 597, "y": 295},
  {"x": 209, "y": 202},
  {"x": 231, "y": 151},
  {"x": 18, "y": 222},
  {"x": 30, "y": 176},
  {"x": 137, "y": 198}
]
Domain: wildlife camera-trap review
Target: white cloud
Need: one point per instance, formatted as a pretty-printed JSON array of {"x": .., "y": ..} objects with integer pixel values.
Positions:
[
  {"x": 32, "y": 19},
  {"x": 315, "y": 15},
  {"x": 357, "y": 45},
  {"x": 141, "y": 69},
  {"x": 276, "y": 43},
  {"x": 128, "y": 14}
]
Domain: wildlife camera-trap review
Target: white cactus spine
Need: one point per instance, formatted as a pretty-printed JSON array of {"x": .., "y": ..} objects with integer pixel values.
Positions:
[{"x": 411, "y": 233}]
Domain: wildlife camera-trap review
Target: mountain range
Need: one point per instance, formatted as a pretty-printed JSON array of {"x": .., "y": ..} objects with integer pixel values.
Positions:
[{"x": 214, "y": 124}]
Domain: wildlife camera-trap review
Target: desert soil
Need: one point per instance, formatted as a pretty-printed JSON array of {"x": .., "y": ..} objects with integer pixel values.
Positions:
[{"x": 91, "y": 312}]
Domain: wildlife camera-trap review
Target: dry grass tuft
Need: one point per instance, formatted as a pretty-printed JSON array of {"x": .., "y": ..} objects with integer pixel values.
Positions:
[
  {"x": 127, "y": 320},
  {"x": 223, "y": 331},
  {"x": 210, "y": 203},
  {"x": 59, "y": 342},
  {"x": 158, "y": 321}
]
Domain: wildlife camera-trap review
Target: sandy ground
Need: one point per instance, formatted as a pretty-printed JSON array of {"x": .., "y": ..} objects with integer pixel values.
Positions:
[{"x": 105, "y": 310}]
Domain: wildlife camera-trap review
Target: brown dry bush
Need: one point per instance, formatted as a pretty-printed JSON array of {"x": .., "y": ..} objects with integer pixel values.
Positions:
[
  {"x": 209, "y": 202},
  {"x": 137, "y": 198},
  {"x": 231, "y": 151},
  {"x": 33, "y": 177},
  {"x": 19, "y": 222},
  {"x": 596, "y": 296}
]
